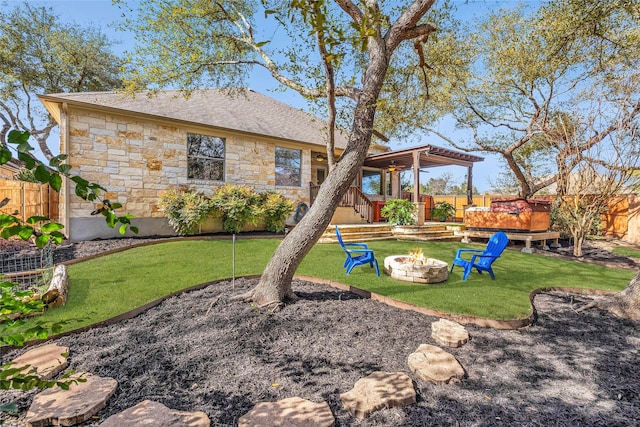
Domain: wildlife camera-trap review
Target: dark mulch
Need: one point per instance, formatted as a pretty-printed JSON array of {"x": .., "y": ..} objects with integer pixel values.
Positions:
[{"x": 567, "y": 369}]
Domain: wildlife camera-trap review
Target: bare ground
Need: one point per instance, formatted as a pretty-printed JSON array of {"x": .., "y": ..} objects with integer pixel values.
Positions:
[{"x": 567, "y": 369}]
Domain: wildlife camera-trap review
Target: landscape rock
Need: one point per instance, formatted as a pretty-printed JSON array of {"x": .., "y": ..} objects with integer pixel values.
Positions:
[
  {"x": 449, "y": 333},
  {"x": 379, "y": 390},
  {"x": 431, "y": 363},
  {"x": 48, "y": 360},
  {"x": 155, "y": 414},
  {"x": 290, "y": 412},
  {"x": 56, "y": 406}
]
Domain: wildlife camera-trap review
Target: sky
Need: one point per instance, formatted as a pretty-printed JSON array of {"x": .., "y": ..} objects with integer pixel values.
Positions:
[{"x": 104, "y": 15}]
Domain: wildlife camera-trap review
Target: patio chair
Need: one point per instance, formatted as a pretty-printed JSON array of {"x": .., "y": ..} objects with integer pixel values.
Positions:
[
  {"x": 481, "y": 260},
  {"x": 357, "y": 254}
]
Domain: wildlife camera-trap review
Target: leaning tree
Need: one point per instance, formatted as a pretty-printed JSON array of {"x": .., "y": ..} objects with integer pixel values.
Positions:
[{"x": 339, "y": 51}]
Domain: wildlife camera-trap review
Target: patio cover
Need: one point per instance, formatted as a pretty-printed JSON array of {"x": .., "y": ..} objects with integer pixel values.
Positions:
[{"x": 422, "y": 157}]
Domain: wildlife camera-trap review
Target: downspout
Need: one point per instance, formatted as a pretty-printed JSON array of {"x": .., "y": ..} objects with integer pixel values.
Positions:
[{"x": 64, "y": 149}]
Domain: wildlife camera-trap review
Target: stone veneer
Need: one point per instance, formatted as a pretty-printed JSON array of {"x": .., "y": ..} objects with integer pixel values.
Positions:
[{"x": 137, "y": 159}]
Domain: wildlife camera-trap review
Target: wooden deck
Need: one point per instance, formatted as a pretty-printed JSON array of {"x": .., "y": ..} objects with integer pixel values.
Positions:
[{"x": 526, "y": 237}]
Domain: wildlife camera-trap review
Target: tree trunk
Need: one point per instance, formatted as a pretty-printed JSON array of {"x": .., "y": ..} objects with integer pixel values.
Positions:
[
  {"x": 625, "y": 304},
  {"x": 275, "y": 284},
  {"x": 578, "y": 242}
]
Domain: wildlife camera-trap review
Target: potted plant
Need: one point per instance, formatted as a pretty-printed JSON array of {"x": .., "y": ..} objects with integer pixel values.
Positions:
[
  {"x": 399, "y": 212},
  {"x": 443, "y": 210}
]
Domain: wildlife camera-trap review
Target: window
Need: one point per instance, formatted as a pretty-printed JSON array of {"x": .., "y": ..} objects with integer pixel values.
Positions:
[
  {"x": 371, "y": 181},
  {"x": 288, "y": 162},
  {"x": 205, "y": 157}
]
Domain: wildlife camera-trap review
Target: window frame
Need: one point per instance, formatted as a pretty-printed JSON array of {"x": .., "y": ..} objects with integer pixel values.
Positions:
[
  {"x": 200, "y": 157},
  {"x": 299, "y": 168}
]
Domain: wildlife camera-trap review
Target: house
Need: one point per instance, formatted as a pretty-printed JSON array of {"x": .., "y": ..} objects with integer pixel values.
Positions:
[
  {"x": 10, "y": 169},
  {"x": 137, "y": 147}
]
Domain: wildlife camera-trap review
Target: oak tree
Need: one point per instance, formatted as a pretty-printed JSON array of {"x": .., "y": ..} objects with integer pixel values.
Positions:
[
  {"x": 40, "y": 54},
  {"x": 336, "y": 50}
]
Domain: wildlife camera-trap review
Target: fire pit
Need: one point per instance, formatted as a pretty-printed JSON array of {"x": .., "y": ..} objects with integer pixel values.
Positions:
[{"x": 417, "y": 268}]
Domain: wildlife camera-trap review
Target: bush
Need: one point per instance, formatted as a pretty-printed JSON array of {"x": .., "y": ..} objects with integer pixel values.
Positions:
[
  {"x": 443, "y": 210},
  {"x": 239, "y": 205},
  {"x": 399, "y": 212},
  {"x": 185, "y": 208},
  {"x": 275, "y": 210}
]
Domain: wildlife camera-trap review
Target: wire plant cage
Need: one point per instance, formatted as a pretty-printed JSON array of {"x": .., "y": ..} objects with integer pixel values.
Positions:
[{"x": 29, "y": 267}]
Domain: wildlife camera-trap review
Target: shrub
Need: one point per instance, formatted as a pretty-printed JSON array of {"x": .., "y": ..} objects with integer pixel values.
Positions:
[
  {"x": 185, "y": 208},
  {"x": 239, "y": 205},
  {"x": 443, "y": 210},
  {"x": 275, "y": 210},
  {"x": 399, "y": 212}
]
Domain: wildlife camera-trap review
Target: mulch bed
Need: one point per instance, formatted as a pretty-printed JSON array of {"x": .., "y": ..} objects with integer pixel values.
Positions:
[{"x": 566, "y": 369}]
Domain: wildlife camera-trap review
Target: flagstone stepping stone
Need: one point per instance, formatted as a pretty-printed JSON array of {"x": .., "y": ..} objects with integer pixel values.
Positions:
[
  {"x": 48, "y": 360},
  {"x": 377, "y": 391},
  {"x": 290, "y": 412},
  {"x": 449, "y": 333},
  {"x": 155, "y": 414},
  {"x": 431, "y": 363},
  {"x": 56, "y": 406}
]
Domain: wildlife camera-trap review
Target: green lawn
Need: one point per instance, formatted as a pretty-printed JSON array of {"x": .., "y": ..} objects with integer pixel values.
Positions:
[
  {"x": 633, "y": 253},
  {"x": 110, "y": 285}
]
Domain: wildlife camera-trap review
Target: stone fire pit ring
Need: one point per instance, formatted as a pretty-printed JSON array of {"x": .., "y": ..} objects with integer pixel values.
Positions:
[{"x": 401, "y": 267}]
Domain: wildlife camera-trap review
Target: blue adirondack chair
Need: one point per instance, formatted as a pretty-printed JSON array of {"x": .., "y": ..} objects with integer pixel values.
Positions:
[
  {"x": 357, "y": 254},
  {"x": 481, "y": 260}
]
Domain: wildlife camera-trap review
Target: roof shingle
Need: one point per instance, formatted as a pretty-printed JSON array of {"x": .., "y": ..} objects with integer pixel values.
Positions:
[{"x": 245, "y": 111}]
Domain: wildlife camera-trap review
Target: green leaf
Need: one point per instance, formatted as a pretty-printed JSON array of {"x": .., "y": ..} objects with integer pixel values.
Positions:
[
  {"x": 25, "y": 232},
  {"x": 8, "y": 220},
  {"x": 81, "y": 191},
  {"x": 18, "y": 137},
  {"x": 55, "y": 181},
  {"x": 42, "y": 240},
  {"x": 134, "y": 229},
  {"x": 57, "y": 160},
  {"x": 29, "y": 161},
  {"x": 42, "y": 174},
  {"x": 51, "y": 227},
  {"x": 64, "y": 169},
  {"x": 80, "y": 181},
  {"x": 36, "y": 218},
  {"x": 122, "y": 229},
  {"x": 5, "y": 155}
]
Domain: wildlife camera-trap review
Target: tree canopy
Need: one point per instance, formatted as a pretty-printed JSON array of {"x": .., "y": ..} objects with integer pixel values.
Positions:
[
  {"x": 39, "y": 54},
  {"x": 339, "y": 51},
  {"x": 536, "y": 72}
]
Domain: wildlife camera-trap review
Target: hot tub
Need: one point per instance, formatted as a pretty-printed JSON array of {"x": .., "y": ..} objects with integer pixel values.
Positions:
[{"x": 510, "y": 215}]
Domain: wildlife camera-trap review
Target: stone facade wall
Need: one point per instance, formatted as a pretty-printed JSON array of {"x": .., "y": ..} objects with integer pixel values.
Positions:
[{"x": 136, "y": 159}]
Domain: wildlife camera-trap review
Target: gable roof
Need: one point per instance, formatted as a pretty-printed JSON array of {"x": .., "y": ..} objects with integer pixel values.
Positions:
[{"x": 245, "y": 111}]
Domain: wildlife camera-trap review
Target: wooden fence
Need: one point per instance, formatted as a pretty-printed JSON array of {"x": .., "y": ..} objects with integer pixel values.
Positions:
[{"x": 26, "y": 199}]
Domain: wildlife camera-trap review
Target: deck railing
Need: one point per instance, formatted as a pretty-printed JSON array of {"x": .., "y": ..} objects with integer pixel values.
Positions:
[{"x": 353, "y": 198}]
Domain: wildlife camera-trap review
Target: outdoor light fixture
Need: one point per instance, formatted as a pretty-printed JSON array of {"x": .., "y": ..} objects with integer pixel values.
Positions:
[
  {"x": 393, "y": 167},
  {"x": 320, "y": 158}
]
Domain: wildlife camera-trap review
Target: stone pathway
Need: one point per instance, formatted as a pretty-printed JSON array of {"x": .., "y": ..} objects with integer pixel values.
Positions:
[{"x": 85, "y": 398}]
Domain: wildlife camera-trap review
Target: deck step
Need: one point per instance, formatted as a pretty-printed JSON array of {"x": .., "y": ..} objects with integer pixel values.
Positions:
[{"x": 374, "y": 232}]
